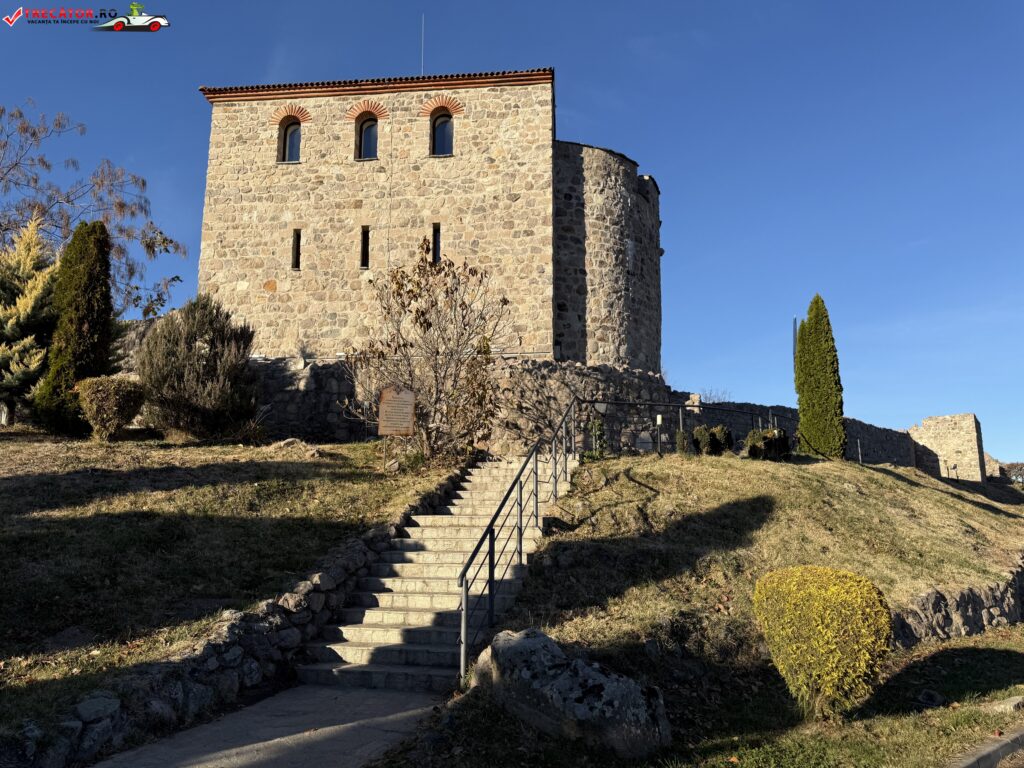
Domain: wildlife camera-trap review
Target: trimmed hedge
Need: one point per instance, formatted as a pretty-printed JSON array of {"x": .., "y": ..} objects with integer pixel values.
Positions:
[
  {"x": 109, "y": 403},
  {"x": 828, "y": 632},
  {"x": 767, "y": 444},
  {"x": 712, "y": 441}
]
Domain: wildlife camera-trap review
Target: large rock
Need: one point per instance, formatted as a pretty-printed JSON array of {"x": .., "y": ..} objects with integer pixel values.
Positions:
[{"x": 529, "y": 675}]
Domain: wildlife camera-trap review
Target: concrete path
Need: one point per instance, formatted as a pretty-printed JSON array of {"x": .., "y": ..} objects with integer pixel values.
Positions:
[{"x": 305, "y": 726}]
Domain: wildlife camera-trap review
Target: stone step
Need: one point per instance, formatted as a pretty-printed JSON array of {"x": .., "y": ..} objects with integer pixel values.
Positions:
[
  {"x": 437, "y": 601},
  {"x": 405, "y": 616},
  {"x": 469, "y": 532},
  {"x": 432, "y": 570},
  {"x": 461, "y": 544},
  {"x": 408, "y": 654},
  {"x": 393, "y": 677},
  {"x": 390, "y": 634},
  {"x": 470, "y": 519},
  {"x": 422, "y": 557},
  {"x": 429, "y": 585}
]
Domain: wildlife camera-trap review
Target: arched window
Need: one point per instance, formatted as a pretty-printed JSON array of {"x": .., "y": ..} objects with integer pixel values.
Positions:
[
  {"x": 442, "y": 133},
  {"x": 289, "y": 141},
  {"x": 366, "y": 138}
]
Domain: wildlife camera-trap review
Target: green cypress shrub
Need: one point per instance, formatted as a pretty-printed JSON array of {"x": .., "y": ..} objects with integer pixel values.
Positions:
[
  {"x": 109, "y": 403},
  {"x": 81, "y": 346},
  {"x": 819, "y": 389},
  {"x": 194, "y": 368},
  {"x": 828, "y": 632}
]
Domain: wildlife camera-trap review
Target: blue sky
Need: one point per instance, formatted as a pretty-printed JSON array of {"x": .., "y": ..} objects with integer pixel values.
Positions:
[{"x": 872, "y": 151}]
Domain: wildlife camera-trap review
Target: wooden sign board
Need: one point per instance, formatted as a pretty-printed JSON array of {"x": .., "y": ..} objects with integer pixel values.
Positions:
[{"x": 396, "y": 414}]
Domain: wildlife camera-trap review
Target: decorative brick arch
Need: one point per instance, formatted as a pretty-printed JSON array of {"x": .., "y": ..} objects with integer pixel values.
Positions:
[
  {"x": 450, "y": 103},
  {"x": 291, "y": 110},
  {"x": 366, "y": 105}
]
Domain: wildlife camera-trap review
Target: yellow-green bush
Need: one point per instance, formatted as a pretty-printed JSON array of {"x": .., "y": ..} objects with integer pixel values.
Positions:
[{"x": 828, "y": 632}]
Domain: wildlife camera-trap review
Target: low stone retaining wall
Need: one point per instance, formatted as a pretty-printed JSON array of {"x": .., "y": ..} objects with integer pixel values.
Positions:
[
  {"x": 937, "y": 615},
  {"x": 247, "y": 653}
]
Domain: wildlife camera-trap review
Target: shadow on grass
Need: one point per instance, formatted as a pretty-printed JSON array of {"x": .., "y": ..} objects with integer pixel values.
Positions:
[
  {"x": 119, "y": 575},
  {"x": 957, "y": 674},
  {"x": 993, "y": 492},
  {"x": 45, "y": 491}
]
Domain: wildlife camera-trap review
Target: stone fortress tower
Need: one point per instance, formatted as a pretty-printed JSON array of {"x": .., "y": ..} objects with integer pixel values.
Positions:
[{"x": 313, "y": 188}]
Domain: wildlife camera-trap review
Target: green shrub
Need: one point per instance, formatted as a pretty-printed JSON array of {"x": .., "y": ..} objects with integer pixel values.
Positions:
[
  {"x": 109, "y": 403},
  {"x": 683, "y": 445},
  {"x": 712, "y": 441},
  {"x": 723, "y": 437},
  {"x": 194, "y": 368},
  {"x": 819, "y": 389},
  {"x": 767, "y": 444},
  {"x": 828, "y": 632},
  {"x": 598, "y": 441},
  {"x": 85, "y": 328}
]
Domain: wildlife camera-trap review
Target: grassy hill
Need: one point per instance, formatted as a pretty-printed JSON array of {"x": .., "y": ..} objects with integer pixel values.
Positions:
[
  {"x": 120, "y": 554},
  {"x": 651, "y": 568}
]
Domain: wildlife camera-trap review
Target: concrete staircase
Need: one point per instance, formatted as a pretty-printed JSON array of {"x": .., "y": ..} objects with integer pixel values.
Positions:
[{"x": 400, "y": 627}]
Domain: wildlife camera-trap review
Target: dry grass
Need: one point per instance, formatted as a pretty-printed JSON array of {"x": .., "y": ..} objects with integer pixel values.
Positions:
[
  {"x": 651, "y": 570},
  {"x": 114, "y": 555}
]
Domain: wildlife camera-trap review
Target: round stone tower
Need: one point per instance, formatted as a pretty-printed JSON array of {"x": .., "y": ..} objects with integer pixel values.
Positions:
[{"x": 607, "y": 260}]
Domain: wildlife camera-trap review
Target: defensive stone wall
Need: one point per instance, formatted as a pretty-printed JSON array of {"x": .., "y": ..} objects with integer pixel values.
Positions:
[
  {"x": 607, "y": 260},
  {"x": 950, "y": 446}
]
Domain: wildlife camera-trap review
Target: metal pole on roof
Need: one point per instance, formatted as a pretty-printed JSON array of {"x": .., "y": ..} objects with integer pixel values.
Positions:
[{"x": 423, "y": 38}]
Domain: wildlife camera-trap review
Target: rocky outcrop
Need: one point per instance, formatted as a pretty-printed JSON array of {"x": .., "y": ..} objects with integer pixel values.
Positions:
[
  {"x": 938, "y": 615},
  {"x": 532, "y": 678}
]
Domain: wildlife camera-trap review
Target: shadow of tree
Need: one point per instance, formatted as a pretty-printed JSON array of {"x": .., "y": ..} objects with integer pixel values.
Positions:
[
  {"x": 957, "y": 674},
  {"x": 999, "y": 493},
  {"x": 39, "y": 492}
]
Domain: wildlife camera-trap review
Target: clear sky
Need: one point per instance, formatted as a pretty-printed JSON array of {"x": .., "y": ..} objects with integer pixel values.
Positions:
[{"x": 872, "y": 151}]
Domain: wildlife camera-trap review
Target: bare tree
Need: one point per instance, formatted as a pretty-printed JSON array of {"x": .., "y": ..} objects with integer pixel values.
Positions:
[
  {"x": 109, "y": 193},
  {"x": 439, "y": 329},
  {"x": 715, "y": 395}
]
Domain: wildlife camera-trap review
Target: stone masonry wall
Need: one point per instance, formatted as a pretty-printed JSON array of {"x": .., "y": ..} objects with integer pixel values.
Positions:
[
  {"x": 492, "y": 199},
  {"x": 950, "y": 446},
  {"x": 607, "y": 260}
]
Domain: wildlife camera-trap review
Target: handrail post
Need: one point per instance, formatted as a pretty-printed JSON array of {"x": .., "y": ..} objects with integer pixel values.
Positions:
[
  {"x": 574, "y": 427},
  {"x": 464, "y": 633},
  {"x": 490, "y": 576},
  {"x": 565, "y": 451},
  {"x": 536, "y": 483},
  {"x": 554, "y": 467},
  {"x": 519, "y": 521}
]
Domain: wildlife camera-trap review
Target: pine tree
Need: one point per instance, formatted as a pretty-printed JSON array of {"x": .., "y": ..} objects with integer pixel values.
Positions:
[
  {"x": 82, "y": 341},
  {"x": 27, "y": 275},
  {"x": 818, "y": 387}
]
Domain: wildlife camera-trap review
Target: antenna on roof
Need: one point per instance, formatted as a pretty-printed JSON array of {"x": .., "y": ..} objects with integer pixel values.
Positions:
[{"x": 423, "y": 36}]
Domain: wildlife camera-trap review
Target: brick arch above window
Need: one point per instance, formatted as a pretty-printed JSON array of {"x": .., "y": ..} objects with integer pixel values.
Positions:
[
  {"x": 450, "y": 103},
  {"x": 291, "y": 110},
  {"x": 375, "y": 108}
]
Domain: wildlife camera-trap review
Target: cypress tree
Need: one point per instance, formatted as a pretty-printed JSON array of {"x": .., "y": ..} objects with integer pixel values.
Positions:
[
  {"x": 818, "y": 387},
  {"x": 27, "y": 275},
  {"x": 82, "y": 342}
]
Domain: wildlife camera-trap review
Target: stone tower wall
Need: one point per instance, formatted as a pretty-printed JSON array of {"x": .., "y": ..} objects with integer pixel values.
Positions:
[
  {"x": 607, "y": 260},
  {"x": 492, "y": 199},
  {"x": 950, "y": 446}
]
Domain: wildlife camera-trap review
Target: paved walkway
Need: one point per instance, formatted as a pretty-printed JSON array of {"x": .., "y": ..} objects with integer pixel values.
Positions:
[{"x": 306, "y": 726}]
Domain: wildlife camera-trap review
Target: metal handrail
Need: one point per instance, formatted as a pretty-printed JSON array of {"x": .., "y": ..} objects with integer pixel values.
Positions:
[{"x": 565, "y": 426}]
